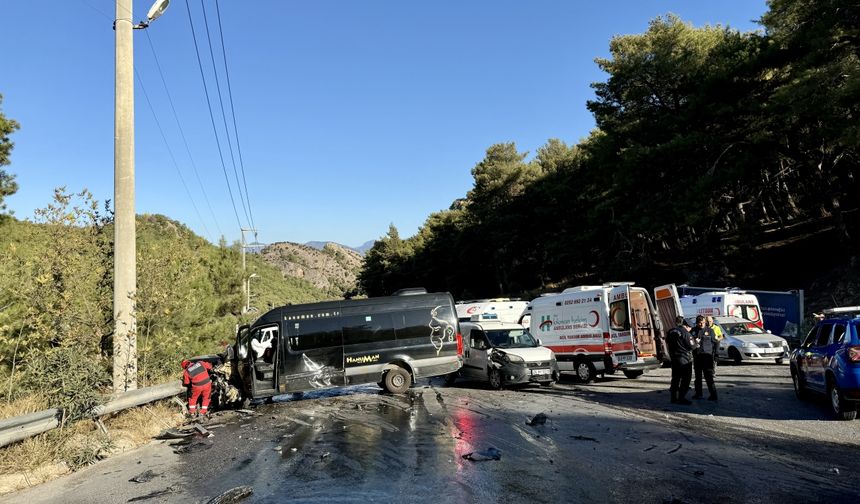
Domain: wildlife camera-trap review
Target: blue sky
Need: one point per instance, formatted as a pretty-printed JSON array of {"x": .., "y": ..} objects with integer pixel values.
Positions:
[{"x": 351, "y": 114}]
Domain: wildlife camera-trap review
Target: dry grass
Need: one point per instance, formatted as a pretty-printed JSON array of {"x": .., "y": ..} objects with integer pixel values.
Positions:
[
  {"x": 22, "y": 406},
  {"x": 139, "y": 425},
  {"x": 54, "y": 453}
]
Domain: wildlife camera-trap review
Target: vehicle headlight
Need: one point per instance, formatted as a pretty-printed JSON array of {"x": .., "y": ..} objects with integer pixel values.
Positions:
[
  {"x": 516, "y": 359},
  {"x": 748, "y": 344}
]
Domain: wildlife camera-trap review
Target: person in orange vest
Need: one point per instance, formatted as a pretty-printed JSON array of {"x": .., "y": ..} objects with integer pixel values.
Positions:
[{"x": 196, "y": 374}]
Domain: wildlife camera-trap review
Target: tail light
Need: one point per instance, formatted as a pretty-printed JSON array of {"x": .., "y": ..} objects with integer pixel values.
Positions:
[
  {"x": 459, "y": 344},
  {"x": 607, "y": 344},
  {"x": 854, "y": 353}
]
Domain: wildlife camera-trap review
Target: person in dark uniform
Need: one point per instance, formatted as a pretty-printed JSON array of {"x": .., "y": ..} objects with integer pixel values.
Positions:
[
  {"x": 681, "y": 347},
  {"x": 703, "y": 357}
]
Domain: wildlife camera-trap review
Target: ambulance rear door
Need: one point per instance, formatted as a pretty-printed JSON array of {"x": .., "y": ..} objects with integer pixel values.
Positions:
[
  {"x": 668, "y": 305},
  {"x": 620, "y": 343}
]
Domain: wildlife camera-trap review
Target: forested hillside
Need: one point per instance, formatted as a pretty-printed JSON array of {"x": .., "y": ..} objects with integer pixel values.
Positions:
[
  {"x": 719, "y": 157},
  {"x": 56, "y": 297}
]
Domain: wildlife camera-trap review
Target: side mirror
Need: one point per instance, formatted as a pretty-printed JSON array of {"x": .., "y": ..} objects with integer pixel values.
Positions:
[
  {"x": 768, "y": 331},
  {"x": 231, "y": 354},
  {"x": 539, "y": 342}
]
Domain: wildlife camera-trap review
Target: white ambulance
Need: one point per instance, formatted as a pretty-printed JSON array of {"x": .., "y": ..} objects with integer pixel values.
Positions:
[
  {"x": 598, "y": 329},
  {"x": 725, "y": 303},
  {"x": 505, "y": 309}
]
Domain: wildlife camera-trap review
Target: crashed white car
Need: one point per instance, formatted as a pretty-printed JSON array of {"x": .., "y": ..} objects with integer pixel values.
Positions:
[
  {"x": 501, "y": 354},
  {"x": 745, "y": 341}
]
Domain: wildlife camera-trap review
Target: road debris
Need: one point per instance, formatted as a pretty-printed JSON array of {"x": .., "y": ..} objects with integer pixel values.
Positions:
[
  {"x": 174, "y": 434},
  {"x": 202, "y": 430},
  {"x": 536, "y": 420},
  {"x": 153, "y": 495},
  {"x": 144, "y": 477},
  {"x": 233, "y": 495},
  {"x": 584, "y": 438},
  {"x": 673, "y": 450},
  {"x": 488, "y": 454}
]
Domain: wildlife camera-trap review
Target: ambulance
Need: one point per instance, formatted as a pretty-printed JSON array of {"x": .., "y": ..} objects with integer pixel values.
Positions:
[
  {"x": 599, "y": 329},
  {"x": 505, "y": 309},
  {"x": 723, "y": 303}
]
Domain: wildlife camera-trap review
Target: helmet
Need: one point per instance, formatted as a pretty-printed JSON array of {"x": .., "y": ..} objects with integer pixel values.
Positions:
[{"x": 185, "y": 363}]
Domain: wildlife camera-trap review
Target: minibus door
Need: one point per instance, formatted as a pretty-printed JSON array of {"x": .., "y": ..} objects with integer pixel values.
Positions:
[
  {"x": 262, "y": 360},
  {"x": 313, "y": 357}
]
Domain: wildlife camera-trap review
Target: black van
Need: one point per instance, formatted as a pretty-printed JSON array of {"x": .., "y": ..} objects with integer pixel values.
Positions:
[{"x": 387, "y": 340}]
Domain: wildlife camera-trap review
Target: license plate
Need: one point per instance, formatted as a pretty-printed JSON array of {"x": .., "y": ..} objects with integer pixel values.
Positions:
[
  {"x": 626, "y": 358},
  {"x": 540, "y": 372}
]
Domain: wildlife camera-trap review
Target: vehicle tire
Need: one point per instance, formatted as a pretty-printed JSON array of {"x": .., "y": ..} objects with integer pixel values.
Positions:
[
  {"x": 735, "y": 355},
  {"x": 842, "y": 409},
  {"x": 799, "y": 385},
  {"x": 397, "y": 380},
  {"x": 450, "y": 378},
  {"x": 494, "y": 379},
  {"x": 633, "y": 374},
  {"x": 584, "y": 370}
]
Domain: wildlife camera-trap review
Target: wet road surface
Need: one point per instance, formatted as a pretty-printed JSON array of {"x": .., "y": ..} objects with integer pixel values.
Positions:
[{"x": 616, "y": 440}]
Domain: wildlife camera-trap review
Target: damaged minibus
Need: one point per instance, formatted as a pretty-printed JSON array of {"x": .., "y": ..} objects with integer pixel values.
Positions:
[{"x": 390, "y": 341}]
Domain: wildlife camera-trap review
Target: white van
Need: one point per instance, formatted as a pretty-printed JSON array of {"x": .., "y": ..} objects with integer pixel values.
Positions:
[
  {"x": 599, "y": 329},
  {"x": 505, "y": 309},
  {"x": 503, "y": 353},
  {"x": 726, "y": 303}
]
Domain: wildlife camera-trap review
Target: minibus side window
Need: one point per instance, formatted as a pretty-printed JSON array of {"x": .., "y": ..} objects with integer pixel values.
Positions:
[
  {"x": 412, "y": 324},
  {"x": 314, "y": 333},
  {"x": 367, "y": 328}
]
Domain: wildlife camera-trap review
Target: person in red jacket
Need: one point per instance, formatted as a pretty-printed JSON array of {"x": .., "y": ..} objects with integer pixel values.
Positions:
[{"x": 196, "y": 374}]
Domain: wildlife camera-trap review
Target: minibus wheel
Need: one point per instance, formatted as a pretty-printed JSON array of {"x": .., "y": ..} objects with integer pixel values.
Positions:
[{"x": 397, "y": 380}]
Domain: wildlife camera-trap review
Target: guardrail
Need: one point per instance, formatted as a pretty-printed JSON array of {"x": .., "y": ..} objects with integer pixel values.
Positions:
[{"x": 25, "y": 426}]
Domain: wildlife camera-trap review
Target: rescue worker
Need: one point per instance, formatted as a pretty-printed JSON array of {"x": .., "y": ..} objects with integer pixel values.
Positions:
[
  {"x": 681, "y": 345},
  {"x": 704, "y": 356},
  {"x": 718, "y": 331},
  {"x": 196, "y": 374}
]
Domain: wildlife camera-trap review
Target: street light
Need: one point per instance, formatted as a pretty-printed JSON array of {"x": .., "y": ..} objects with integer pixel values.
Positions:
[
  {"x": 125, "y": 254},
  {"x": 248, "y": 292}
]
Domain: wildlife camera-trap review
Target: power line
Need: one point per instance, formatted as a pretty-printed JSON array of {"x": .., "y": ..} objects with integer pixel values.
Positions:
[
  {"x": 212, "y": 116},
  {"x": 223, "y": 113},
  {"x": 233, "y": 114},
  {"x": 170, "y": 152},
  {"x": 163, "y": 136},
  {"x": 182, "y": 134}
]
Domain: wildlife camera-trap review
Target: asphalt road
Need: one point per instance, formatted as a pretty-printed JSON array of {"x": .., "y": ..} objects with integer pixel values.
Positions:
[{"x": 616, "y": 440}]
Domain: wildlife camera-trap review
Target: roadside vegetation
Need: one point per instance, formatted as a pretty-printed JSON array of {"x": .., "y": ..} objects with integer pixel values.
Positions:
[
  {"x": 720, "y": 158},
  {"x": 56, "y": 321}
]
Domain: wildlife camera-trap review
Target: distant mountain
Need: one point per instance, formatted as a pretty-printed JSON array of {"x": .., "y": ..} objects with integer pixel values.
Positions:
[
  {"x": 331, "y": 267},
  {"x": 361, "y": 249},
  {"x": 364, "y": 247}
]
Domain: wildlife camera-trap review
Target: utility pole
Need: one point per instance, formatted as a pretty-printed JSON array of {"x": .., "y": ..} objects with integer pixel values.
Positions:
[
  {"x": 244, "y": 230},
  {"x": 246, "y": 285},
  {"x": 248, "y": 293},
  {"x": 125, "y": 269},
  {"x": 125, "y": 242}
]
